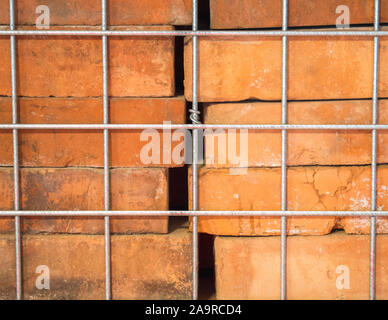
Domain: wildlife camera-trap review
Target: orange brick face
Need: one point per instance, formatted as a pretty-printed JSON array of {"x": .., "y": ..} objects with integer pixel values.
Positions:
[
  {"x": 305, "y": 147},
  {"x": 143, "y": 266},
  {"x": 72, "y": 66},
  {"x": 329, "y": 267},
  {"x": 235, "y": 69},
  {"x": 240, "y": 14},
  {"x": 88, "y": 12},
  {"x": 61, "y": 148},
  {"x": 83, "y": 189},
  {"x": 309, "y": 188}
]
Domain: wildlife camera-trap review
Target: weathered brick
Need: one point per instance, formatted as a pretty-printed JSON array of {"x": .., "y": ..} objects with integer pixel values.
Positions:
[
  {"x": 309, "y": 188},
  {"x": 238, "y": 14},
  {"x": 61, "y": 148},
  {"x": 143, "y": 266},
  {"x": 83, "y": 189},
  {"x": 249, "y": 267},
  {"x": 240, "y": 68},
  {"x": 305, "y": 147},
  {"x": 88, "y": 12},
  {"x": 72, "y": 66}
]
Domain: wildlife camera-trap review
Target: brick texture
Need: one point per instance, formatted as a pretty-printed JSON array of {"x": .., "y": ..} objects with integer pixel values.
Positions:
[
  {"x": 238, "y": 68},
  {"x": 305, "y": 147},
  {"x": 249, "y": 267},
  {"x": 61, "y": 148},
  {"x": 88, "y": 12},
  {"x": 309, "y": 188},
  {"x": 72, "y": 66},
  {"x": 240, "y": 14},
  {"x": 83, "y": 189},
  {"x": 143, "y": 266}
]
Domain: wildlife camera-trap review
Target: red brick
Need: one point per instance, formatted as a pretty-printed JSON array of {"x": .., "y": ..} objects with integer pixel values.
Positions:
[
  {"x": 239, "y": 14},
  {"x": 309, "y": 188},
  {"x": 240, "y": 68},
  {"x": 72, "y": 66},
  {"x": 249, "y": 267},
  {"x": 83, "y": 189},
  {"x": 88, "y": 12},
  {"x": 305, "y": 147},
  {"x": 143, "y": 266},
  {"x": 61, "y": 148}
]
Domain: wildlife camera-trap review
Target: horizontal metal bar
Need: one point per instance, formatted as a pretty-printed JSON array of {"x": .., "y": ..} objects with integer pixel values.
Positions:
[
  {"x": 196, "y": 126},
  {"x": 269, "y": 33},
  {"x": 121, "y": 213}
]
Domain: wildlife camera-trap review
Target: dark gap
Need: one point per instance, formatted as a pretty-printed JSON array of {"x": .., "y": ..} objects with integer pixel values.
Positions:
[
  {"x": 206, "y": 267},
  {"x": 177, "y": 223},
  {"x": 359, "y": 25},
  {"x": 179, "y": 62},
  {"x": 371, "y": 25},
  {"x": 204, "y": 14},
  {"x": 178, "y": 188},
  {"x": 253, "y": 100},
  {"x": 178, "y": 196}
]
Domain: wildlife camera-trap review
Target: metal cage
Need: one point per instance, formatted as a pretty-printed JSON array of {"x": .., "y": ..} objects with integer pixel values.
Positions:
[{"x": 195, "y": 126}]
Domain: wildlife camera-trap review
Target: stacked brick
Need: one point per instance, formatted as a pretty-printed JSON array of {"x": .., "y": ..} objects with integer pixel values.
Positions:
[
  {"x": 330, "y": 81},
  {"x": 60, "y": 82}
]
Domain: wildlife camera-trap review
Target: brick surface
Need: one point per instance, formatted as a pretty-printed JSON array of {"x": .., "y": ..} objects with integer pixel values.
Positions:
[
  {"x": 305, "y": 147},
  {"x": 309, "y": 188},
  {"x": 61, "y": 148},
  {"x": 238, "y": 68},
  {"x": 83, "y": 189},
  {"x": 237, "y": 14},
  {"x": 249, "y": 267},
  {"x": 72, "y": 66},
  {"x": 88, "y": 12},
  {"x": 143, "y": 266}
]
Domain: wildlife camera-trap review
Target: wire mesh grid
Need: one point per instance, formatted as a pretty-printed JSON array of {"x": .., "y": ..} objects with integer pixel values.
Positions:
[{"x": 195, "y": 126}]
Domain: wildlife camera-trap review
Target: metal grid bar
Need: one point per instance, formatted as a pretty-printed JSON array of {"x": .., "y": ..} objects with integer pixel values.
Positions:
[
  {"x": 283, "y": 237},
  {"x": 15, "y": 153},
  {"x": 195, "y": 120},
  {"x": 198, "y": 33},
  {"x": 372, "y": 282},
  {"x": 106, "y": 152},
  {"x": 191, "y": 213},
  {"x": 195, "y": 126}
]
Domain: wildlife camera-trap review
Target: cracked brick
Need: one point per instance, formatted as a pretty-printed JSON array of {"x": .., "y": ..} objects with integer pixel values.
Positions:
[{"x": 309, "y": 188}]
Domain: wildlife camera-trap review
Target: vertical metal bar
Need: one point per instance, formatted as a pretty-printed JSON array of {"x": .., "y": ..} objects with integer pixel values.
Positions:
[
  {"x": 106, "y": 153},
  {"x": 195, "y": 119},
  {"x": 372, "y": 275},
  {"x": 15, "y": 153},
  {"x": 283, "y": 268}
]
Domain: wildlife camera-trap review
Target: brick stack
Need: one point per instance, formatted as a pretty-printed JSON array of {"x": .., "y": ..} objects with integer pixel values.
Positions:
[
  {"x": 60, "y": 82},
  {"x": 329, "y": 82}
]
